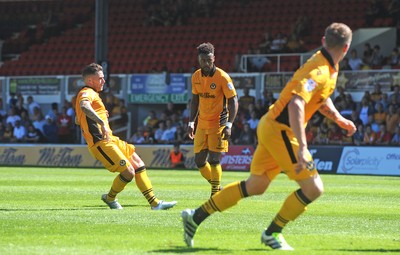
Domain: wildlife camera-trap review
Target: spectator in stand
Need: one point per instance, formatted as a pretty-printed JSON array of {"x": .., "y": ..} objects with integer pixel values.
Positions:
[
  {"x": 159, "y": 131},
  {"x": 176, "y": 157},
  {"x": 392, "y": 119},
  {"x": 380, "y": 114},
  {"x": 377, "y": 57},
  {"x": 138, "y": 136},
  {"x": 395, "y": 57},
  {"x": 345, "y": 65},
  {"x": 258, "y": 61},
  {"x": 355, "y": 118},
  {"x": 376, "y": 95},
  {"x": 268, "y": 99},
  {"x": 8, "y": 135},
  {"x": 33, "y": 135},
  {"x": 369, "y": 135},
  {"x": 65, "y": 127},
  {"x": 253, "y": 121},
  {"x": 396, "y": 137},
  {"x": 25, "y": 121},
  {"x": 259, "y": 109},
  {"x": 247, "y": 136},
  {"x": 170, "y": 109},
  {"x": 149, "y": 135},
  {"x": 168, "y": 135},
  {"x": 180, "y": 134},
  {"x": 322, "y": 134},
  {"x": 365, "y": 111},
  {"x": 31, "y": 107},
  {"x": 50, "y": 130},
  {"x": 367, "y": 54},
  {"x": 396, "y": 93},
  {"x": 12, "y": 116},
  {"x": 53, "y": 112},
  {"x": 355, "y": 62},
  {"x": 246, "y": 99},
  {"x": 20, "y": 105},
  {"x": 151, "y": 119},
  {"x": 358, "y": 137},
  {"x": 265, "y": 44},
  {"x": 310, "y": 134},
  {"x": 394, "y": 102},
  {"x": 383, "y": 137},
  {"x": 39, "y": 122},
  {"x": 19, "y": 132},
  {"x": 278, "y": 44},
  {"x": 186, "y": 112},
  {"x": 335, "y": 135},
  {"x": 2, "y": 129},
  {"x": 3, "y": 113}
]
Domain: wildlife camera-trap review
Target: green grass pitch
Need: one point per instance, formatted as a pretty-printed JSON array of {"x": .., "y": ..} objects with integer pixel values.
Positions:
[{"x": 59, "y": 211}]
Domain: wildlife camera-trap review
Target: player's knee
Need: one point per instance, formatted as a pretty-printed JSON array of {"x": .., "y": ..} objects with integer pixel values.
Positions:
[
  {"x": 200, "y": 163},
  {"x": 128, "y": 174},
  {"x": 214, "y": 162}
]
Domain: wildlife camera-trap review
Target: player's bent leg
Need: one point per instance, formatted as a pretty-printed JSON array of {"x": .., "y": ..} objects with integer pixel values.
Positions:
[{"x": 312, "y": 187}]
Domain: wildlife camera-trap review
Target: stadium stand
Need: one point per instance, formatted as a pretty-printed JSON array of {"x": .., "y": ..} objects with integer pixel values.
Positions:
[{"x": 57, "y": 37}]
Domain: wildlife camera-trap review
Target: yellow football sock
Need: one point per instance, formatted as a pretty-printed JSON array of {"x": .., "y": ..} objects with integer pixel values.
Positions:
[
  {"x": 118, "y": 185},
  {"x": 206, "y": 171},
  {"x": 226, "y": 198},
  {"x": 294, "y": 205},
  {"x": 144, "y": 184},
  {"x": 216, "y": 173}
]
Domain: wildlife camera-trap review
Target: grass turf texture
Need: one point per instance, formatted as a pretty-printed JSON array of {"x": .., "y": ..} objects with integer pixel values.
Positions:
[{"x": 59, "y": 211}]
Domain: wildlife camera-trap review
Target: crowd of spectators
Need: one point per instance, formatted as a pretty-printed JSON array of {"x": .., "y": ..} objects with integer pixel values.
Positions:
[
  {"x": 377, "y": 118},
  {"x": 25, "y": 122}
]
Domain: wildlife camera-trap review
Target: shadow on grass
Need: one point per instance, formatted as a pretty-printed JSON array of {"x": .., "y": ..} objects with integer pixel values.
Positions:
[
  {"x": 180, "y": 249},
  {"x": 397, "y": 251},
  {"x": 83, "y": 208}
]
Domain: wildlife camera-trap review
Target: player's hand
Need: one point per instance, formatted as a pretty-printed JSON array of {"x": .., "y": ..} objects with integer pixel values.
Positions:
[
  {"x": 226, "y": 133},
  {"x": 302, "y": 159},
  {"x": 347, "y": 125},
  {"x": 190, "y": 131},
  {"x": 105, "y": 132}
]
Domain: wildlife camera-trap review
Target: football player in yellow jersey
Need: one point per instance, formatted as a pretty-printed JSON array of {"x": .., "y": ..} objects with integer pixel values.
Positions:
[
  {"x": 116, "y": 155},
  {"x": 214, "y": 104},
  {"x": 282, "y": 144}
]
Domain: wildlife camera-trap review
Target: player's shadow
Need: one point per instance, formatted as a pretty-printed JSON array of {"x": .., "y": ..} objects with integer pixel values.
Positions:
[
  {"x": 381, "y": 250},
  {"x": 181, "y": 249}
]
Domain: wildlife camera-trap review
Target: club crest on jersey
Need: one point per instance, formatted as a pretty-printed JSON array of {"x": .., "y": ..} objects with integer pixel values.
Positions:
[
  {"x": 310, "y": 85},
  {"x": 213, "y": 86},
  {"x": 230, "y": 86},
  {"x": 122, "y": 162}
]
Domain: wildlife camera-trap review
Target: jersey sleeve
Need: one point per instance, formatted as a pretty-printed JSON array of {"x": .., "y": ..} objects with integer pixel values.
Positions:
[
  {"x": 306, "y": 84},
  {"x": 195, "y": 81},
  {"x": 227, "y": 86}
]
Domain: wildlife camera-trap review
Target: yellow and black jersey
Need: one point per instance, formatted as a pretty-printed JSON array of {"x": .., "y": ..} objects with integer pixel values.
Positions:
[
  {"x": 91, "y": 131},
  {"x": 315, "y": 81},
  {"x": 213, "y": 91}
]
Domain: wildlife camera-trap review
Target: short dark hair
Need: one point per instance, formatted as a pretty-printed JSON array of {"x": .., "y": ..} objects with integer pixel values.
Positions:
[
  {"x": 91, "y": 69},
  {"x": 205, "y": 48}
]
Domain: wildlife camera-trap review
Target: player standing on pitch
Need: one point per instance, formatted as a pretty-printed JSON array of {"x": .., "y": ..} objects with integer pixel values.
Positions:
[
  {"x": 282, "y": 144},
  {"x": 116, "y": 155},
  {"x": 215, "y": 105}
]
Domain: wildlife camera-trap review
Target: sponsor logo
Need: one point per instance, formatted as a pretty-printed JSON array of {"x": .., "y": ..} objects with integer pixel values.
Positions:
[
  {"x": 319, "y": 164},
  {"x": 353, "y": 159},
  {"x": 59, "y": 157},
  {"x": 310, "y": 85},
  {"x": 206, "y": 95},
  {"x": 10, "y": 157}
]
